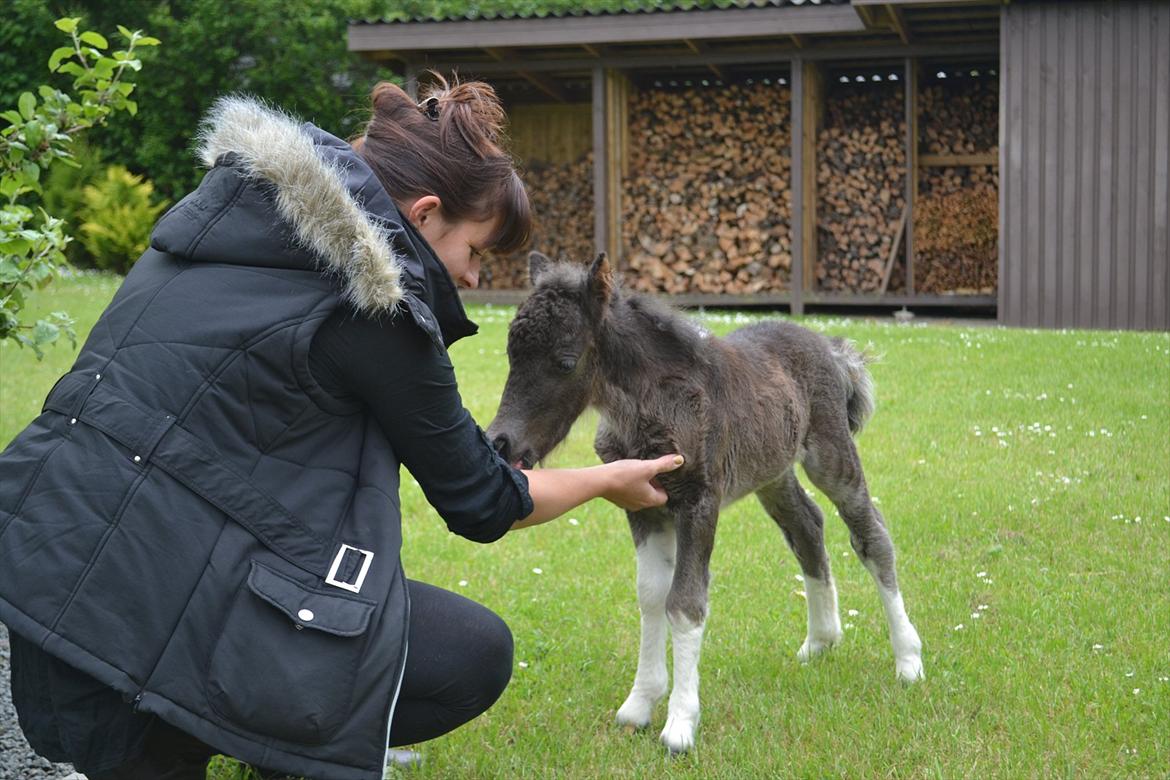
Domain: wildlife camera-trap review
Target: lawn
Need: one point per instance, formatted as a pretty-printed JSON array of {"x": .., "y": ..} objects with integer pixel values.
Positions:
[{"x": 1025, "y": 477}]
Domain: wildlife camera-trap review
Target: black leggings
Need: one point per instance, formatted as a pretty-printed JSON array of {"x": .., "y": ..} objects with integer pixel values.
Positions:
[{"x": 458, "y": 663}]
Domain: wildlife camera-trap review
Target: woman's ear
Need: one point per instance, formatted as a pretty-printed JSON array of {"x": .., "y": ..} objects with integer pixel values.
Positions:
[{"x": 423, "y": 209}]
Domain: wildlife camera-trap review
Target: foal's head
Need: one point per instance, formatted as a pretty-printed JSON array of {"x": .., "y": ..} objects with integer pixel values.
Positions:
[{"x": 552, "y": 356}]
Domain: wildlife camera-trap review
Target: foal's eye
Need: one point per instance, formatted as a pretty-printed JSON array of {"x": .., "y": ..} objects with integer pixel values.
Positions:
[{"x": 567, "y": 365}]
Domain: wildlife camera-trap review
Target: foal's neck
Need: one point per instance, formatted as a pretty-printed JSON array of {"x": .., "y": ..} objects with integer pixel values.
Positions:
[{"x": 642, "y": 343}]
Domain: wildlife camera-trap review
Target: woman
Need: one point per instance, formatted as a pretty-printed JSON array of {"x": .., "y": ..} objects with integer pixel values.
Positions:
[{"x": 199, "y": 536}]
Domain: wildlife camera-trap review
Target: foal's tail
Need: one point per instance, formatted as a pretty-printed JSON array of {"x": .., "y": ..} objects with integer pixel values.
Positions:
[{"x": 851, "y": 365}]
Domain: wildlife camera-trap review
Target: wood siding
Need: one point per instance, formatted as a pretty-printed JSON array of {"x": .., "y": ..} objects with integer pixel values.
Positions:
[{"x": 1085, "y": 165}]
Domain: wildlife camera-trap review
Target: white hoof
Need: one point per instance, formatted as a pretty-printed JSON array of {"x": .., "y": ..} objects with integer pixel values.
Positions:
[
  {"x": 910, "y": 669},
  {"x": 814, "y": 646},
  {"x": 636, "y": 711},
  {"x": 679, "y": 734}
]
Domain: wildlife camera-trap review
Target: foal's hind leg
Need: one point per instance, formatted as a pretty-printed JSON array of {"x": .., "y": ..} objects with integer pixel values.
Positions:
[
  {"x": 802, "y": 524},
  {"x": 833, "y": 465},
  {"x": 654, "y": 540}
]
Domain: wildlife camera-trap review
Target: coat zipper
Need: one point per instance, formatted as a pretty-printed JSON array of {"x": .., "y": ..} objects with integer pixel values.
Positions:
[{"x": 401, "y": 675}]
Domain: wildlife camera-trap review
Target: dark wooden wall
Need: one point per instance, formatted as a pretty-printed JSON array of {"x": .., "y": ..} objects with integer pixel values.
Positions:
[{"x": 1085, "y": 165}]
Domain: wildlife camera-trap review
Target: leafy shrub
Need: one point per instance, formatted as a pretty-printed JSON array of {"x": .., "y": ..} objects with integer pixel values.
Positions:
[
  {"x": 62, "y": 193},
  {"x": 118, "y": 214},
  {"x": 40, "y": 132}
]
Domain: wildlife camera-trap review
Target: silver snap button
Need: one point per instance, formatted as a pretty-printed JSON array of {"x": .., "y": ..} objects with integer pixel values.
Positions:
[
  {"x": 137, "y": 458},
  {"x": 73, "y": 421},
  {"x": 97, "y": 376},
  {"x": 306, "y": 615}
]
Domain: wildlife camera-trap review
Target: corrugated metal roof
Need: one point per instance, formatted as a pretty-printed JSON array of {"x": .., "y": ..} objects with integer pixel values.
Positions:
[{"x": 505, "y": 9}]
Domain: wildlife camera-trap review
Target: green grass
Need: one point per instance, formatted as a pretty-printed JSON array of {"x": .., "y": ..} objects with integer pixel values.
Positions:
[{"x": 1027, "y": 456}]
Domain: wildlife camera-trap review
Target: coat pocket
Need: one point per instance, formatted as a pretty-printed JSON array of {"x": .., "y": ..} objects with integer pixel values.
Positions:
[{"x": 286, "y": 661}]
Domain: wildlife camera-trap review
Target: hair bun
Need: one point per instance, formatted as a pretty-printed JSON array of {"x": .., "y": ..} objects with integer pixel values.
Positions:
[{"x": 471, "y": 110}]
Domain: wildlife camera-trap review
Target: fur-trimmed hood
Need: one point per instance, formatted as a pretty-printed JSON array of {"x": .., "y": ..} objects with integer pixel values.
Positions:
[{"x": 285, "y": 194}]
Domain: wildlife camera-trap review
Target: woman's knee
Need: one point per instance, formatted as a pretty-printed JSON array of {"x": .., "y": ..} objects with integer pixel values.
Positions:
[{"x": 497, "y": 648}]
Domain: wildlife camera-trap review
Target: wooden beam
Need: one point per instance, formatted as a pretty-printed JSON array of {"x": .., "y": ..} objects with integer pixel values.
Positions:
[
  {"x": 797, "y": 41},
  {"x": 698, "y": 47},
  {"x": 888, "y": 270},
  {"x": 615, "y": 88},
  {"x": 600, "y": 153},
  {"x": 812, "y": 109},
  {"x": 859, "y": 4},
  {"x": 538, "y": 80},
  {"x": 898, "y": 22},
  {"x": 796, "y": 187},
  {"x": 608, "y": 28},
  {"x": 910, "y": 92},
  {"x": 866, "y": 15},
  {"x": 957, "y": 160},
  {"x": 985, "y": 47},
  {"x": 593, "y": 51},
  {"x": 545, "y": 85}
]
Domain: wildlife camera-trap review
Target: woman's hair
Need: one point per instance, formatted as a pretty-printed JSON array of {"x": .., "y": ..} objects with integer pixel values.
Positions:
[{"x": 449, "y": 145}]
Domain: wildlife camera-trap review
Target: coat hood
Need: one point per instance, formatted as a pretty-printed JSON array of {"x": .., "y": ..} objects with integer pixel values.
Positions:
[{"x": 334, "y": 215}]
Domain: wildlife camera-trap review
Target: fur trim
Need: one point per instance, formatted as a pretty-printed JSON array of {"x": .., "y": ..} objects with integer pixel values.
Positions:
[{"x": 310, "y": 194}]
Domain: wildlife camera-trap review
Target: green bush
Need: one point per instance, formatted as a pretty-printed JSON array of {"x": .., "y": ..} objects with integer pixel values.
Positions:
[
  {"x": 118, "y": 214},
  {"x": 62, "y": 194}
]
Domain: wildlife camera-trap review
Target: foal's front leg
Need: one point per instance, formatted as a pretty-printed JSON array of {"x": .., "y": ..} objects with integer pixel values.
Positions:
[
  {"x": 686, "y": 611},
  {"x": 654, "y": 540}
]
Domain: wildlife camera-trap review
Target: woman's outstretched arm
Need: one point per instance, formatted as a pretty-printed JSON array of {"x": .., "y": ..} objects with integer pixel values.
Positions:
[{"x": 628, "y": 483}]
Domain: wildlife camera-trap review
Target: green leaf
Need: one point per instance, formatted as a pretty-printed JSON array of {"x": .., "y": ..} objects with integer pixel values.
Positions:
[
  {"x": 95, "y": 39},
  {"x": 148, "y": 41},
  {"x": 73, "y": 69},
  {"x": 9, "y": 186},
  {"x": 27, "y": 104},
  {"x": 13, "y": 246},
  {"x": 45, "y": 332},
  {"x": 58, "y": 55},
  {"x": 132, "y": 107},
  {"x": 125, "y": 33},
  {"x": 67, "y": 24},
  {"x": 13, "y": 117}
]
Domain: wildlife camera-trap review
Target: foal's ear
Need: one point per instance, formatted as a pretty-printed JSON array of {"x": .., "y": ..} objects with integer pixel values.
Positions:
[
  {"x": 601, "y": 283},
  {"x": 537, "y": 264}
]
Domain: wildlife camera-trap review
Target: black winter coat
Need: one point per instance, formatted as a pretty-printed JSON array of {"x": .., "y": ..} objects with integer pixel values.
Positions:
[{"x": 192, "y": 520}]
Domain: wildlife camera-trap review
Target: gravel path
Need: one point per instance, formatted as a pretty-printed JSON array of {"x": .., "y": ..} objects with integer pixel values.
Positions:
[{"x": 17, "y": 760}]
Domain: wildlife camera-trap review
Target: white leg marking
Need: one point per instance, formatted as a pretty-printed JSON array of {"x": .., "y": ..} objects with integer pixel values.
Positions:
[
  {"x": 655, "y": 573},
  {"x": 903, "y": 635},
  {"x": 683, "y": 716},
  {"x": 824, "y": 622}
]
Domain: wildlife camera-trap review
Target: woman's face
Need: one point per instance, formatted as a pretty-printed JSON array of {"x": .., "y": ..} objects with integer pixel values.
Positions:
[{"x": 460, "y": 245}]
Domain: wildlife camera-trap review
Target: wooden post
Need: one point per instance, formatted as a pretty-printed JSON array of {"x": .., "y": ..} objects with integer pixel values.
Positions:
[
  {"x": 807, "y": 113},
  {"x": 813, "y": 109},
  {"x": 617, "y": 90},
  {"x": 796, "y": 188},
  {"x": 910, "y": 88},
  {"x": 601, "y": 219}
]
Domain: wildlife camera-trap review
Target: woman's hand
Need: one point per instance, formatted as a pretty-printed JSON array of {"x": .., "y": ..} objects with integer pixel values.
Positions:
[
  {"x": 634, "y": 484},
  {"x": 628, "y": 483}
]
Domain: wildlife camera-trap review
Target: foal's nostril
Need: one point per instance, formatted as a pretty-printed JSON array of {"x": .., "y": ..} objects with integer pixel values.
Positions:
[{"x": 503, "y": 446}]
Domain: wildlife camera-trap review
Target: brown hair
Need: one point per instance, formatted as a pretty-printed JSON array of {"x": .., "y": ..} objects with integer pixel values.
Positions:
[{"x": 449, "y": 145}]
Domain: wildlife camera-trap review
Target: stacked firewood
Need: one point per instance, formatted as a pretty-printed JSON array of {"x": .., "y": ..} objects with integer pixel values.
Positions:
[
  {"x": 955, "y": 242},
  {"x": 705, "y": 204},
  {"x": 861, "y": 185},
  {"x": 561, "y": 196},
  {"x": 959, "y": 117},
  {"x": 955, "y": 213}
]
